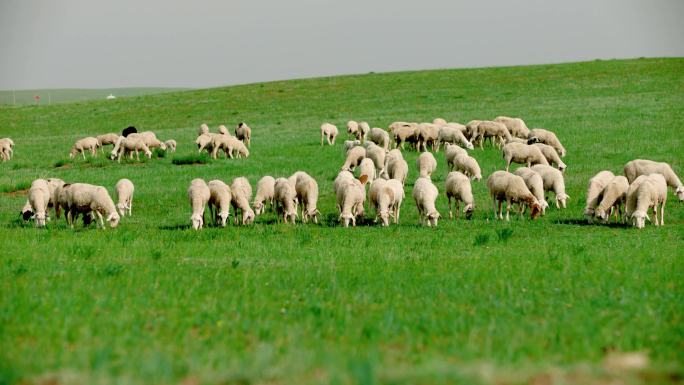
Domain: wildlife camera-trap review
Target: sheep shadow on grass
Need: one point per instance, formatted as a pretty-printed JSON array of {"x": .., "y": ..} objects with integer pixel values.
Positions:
[{"x": 584, "y": 222}]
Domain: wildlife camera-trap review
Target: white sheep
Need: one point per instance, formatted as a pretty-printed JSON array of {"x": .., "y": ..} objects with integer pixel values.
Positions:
[
  {"x": 198, "y": 194},
  {"x": 553, "y": 181},
  {"x": 244, "y": 133},
  {"x": 638, "y": 167},
  {"x": 230, "y": 145},
  {"x": 458, "y": 188},
  {"x": 329, "y": 132},
  {"x": 453, "y": 133},
  {"x": 352, "y": 127},
  {"x": 548, "y": 137},
  {"x": 450, "y": 152},
  {"x": 426, "y": 164},
  {"x": 220, "y": 197},
  {"x": 496, "y": 131},
  {"x": 131, "y": 144},
  {"x": 382, "y": 200},
  {"x": 515, "y": 126},
  {"x": 630, "y": 203},
  {"x": 379, "y": 137},
  {"x": 425, "y": 194},
  {"x": 39, "y": 197},
  {"x": 468, "y": 165},
  {"x": 399, "y": 196},
  {"x": 504, "y": 186},
  {"x": 87, "y": 199},
  {"x": 106, "y": 139},
  {"x": 596, "y": 185},
  {"x": 222, "y": 130},
  {"x": 349, "y": 144},
  {"x": 351, "y": 195},
  {"x": 204, "y": 129},
  {"x": 362, "y": 133},
  {"x": 403, "y": 132},
  {"x": 651, "y": 192},
  {"x": 264, "y": 193},
  {"x": 307, "y": 195},
  {"x": 471, "y": 130},
  {"x": 613, "y": 197},
  {"x": 86, "y": 144},
  {"x": 439, "y": 121},
  {"x": 124, "y": 194},
  {"x": 6, "y": 149},
  {"x": 397, "y": 169},
  {"x": 377, "y": 155},
  {"x": 551, "y": 155},
  {"x": 170, "y": 145},
  {"x": 367, "y": 167},
  {"x": 535, "y": 183},
  {"x": 354, "y": 158},
  {"x": 428, "y": 133},
  {"x": 241, "y": 195},
  {"x": 523, "y": 154}
]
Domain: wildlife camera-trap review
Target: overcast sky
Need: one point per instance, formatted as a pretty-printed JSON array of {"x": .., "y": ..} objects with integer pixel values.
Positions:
[{"x": 205, "y": 43}]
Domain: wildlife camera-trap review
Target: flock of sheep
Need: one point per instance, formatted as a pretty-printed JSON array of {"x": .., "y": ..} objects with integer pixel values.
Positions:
[{"x": 383, "y": 169}]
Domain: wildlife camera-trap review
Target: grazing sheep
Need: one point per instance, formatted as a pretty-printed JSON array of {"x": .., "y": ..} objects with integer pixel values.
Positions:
[
  {"x": 471, "y": 129},
  {"x": 596, "y": 185},
  {"x": 523, "y": 154},
  {"x": 428, "y": 133},
  {"x": 352, "y": 127},
  {"x": 241, "y": 195},
  {"x": 230, "y": 145},
  {"x": 222, "y": 130},
  {"x": 425, "y": 194},
  {"x": 83, "y": 198},
  {"x": 453, "y": 133},
  {"x": 553, "y": 181},
  {"x": 548, "y": 137},
  {"x": 535, "y": 183},
  {"x": 367, "y": 167},
  {"x": 551, "y": 155},
  {"x": 199, "y": 195},
  {"x": 307, "y": 195},
  {"x": 614, "y": 197},
  {"x": 204, "y": 129},
  {"x": 354, "y": 158},
  {"x": 439, "y": 121},
  {"x": 351, "y": 195},
  {"x": 6, "y": 149},
  {"x": 504, "y": 186},
  {"x": 379, "y": 137},
  {"x": 630, "y": 203},
  {"x": 426, "y": 164},
  {"x": 397, "y": 169},
  {"x": 496, "y": 131},
  {"x": 403, "y": 132},
  {"x": 220, "y": 197},
  {"x": 468, "y": 165},
  {"x": 124, "y": 192},
  {"x": 244, "y": 133},
  {"x": 450, "y": 152},
  {"x": 264, "y": 193},
  {"x": 170, "y": 145},
  {"x": 349, "y": 144},
  {"x": 399, "y": 196},
  {"x": 515, "y": 126},
  {"x": 638, "y": 167},
  {"x": 129, "y": 145},
  {"x": 457, "y": 186},
  {"x": 39, "y": 197},
  {"x": 106, "y": 139},
  {"x": 89, "y": 143},
  {"x": 362, "y": 133},
  {"x": 146, "y": 137},
  {"x": 382, "y": 200},
  {"x": 651, "y": 192},
  {"x": 329, "y": 132},
  {"x": 377, "y": 155}
]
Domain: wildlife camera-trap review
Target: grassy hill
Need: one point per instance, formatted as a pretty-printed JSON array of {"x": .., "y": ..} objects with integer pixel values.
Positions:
[
  {"x": 69, "y": 95},
  {"x": 477, "y": 301}
]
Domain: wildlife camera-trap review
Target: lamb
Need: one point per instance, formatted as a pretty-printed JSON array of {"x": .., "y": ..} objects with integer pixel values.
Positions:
[
  {"x": 241, "y": 195},
  {"x": 39, "y": 197},
  {"x": 548, "y": 137},
  {"x": 382, "y": 201},
  {"x": 523, "y": 154},
  {"x": 199, "y": 194},
  {"x": 426, "y": 164},
  {"x": 377, "y": 155},
  {"x": 428, "y": 133},
  {"x": 468, "y": 165},
  {"x": 354, "y": 158},
  {"x": 244, "y": 133},
  {"x": 450, "y": 152},
  {"x": 6, "y": 149},
  {"x": 351, "y": 195},
  {"x": 264, "y": 193},
  {"x": 349, "y": 144},
  {"x": 124, "y": 192},
  {"x": 596, "y": 185},
  {"x": 329, "y": 132},
  {"x": 87, "y": 199},
  {"x": 452, "y": 133},
  {"x": 551, "y": 155},
  {"x": 495, "y": 130},
  {"x": 457, "y": 186},
  {"x": 652, "y": 191},
  {"x": 129, "y": 145},
  {"x": 379, "y": 137},
  {"x": 89, "y": 143},
  {"x": 170, "y": 145},
  {"x": 397, "y": 168},
  {"x": 504, "y": 186},
  {"x": 220, "y": 197},
  {"x": 425, "y": 194},
  {"x": 307, "y": 194},
  {"x": 367, "y": 167},
  {"x": 638, "y": 167},
  {"x": 614, "y": 196},
  {"x": 553, "y": 181},
  {"x": 515, "y": 126},
  {"x": 535, "y": 184}
]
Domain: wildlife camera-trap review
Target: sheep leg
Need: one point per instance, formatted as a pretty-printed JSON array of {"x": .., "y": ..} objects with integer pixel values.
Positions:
[
  {"x": 508, "y": 210},
  {"x": 662, "y": 214},
  {"x": 496, "y": 214},
  {"x": 83, "y": 153},
  {"x": 322, "y": 135},
  {"x": 451, "y": 216},
  {"x": 100, "y": 220},
  {"x": 70, "y": 218},
  {"x": 655, "y": 214}
]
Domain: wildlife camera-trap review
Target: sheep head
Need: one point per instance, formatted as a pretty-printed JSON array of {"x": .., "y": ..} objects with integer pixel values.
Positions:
[
  {"x": 639, "y": 219},
  {"x": 197, "y": 221},
  {"x": 113, "y": 219},
  {"x": 535, "y": 210},
  {"x": 433, "y": 217},
  {"x": 680, "y": 193},
  {"x": 561, "y": 200},
  {"x": 40, "y": 219},
  {"x": 468, "y": 210}
]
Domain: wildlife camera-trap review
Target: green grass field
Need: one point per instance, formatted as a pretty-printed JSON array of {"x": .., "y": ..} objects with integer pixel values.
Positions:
[
  {"x": 479, "y": 301},
  {"x": 69, "y": 95}
]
